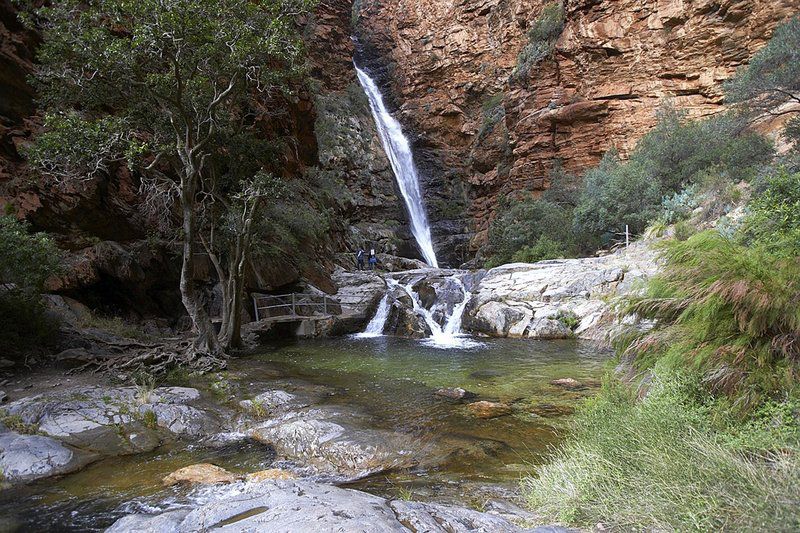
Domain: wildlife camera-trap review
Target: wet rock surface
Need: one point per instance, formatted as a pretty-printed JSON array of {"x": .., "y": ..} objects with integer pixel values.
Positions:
[
  {"x": 302, "y": 506},
  {"x": 485, "y": 409}
]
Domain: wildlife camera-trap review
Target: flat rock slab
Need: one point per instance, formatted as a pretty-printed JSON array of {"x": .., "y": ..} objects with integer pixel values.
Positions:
[
  {"x": 304, "y": 506},
  {"x": 29, "y": 457}
]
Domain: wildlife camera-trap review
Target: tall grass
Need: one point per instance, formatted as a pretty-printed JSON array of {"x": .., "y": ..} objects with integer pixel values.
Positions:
[
  {"x": 729, "y": 311},
  {"x": 661, "y": 464}
]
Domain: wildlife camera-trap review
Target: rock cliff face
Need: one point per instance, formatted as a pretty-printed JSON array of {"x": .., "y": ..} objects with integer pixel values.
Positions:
[{"x": 448, "y": 64}]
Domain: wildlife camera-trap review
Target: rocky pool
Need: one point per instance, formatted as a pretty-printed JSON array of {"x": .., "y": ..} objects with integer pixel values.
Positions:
[{"x": 381, "y": 395}]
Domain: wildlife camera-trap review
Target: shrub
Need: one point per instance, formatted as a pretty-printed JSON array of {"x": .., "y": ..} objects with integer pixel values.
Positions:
[
  {"x": 661, "y": 464},
  {"x": 676, "y": 151},
  {"x": 683, "y": 230},
  {"x": 774, "y": 214},
  {"x": 678, "y": 206},
  {"x": 529, "y": 222},
  {"x": 545, "y": 248},
  {"x": 615, "y": 194},
  {"x": 542, "y": 37},
  {"x": 26, "y": 261},
  {"x": 773, "y": 73}
]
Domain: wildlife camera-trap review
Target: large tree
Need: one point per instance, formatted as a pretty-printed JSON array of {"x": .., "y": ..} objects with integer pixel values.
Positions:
[{"x": 159, "y": 85}]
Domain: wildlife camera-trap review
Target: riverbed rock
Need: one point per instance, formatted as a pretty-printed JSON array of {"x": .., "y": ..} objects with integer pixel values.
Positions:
[
  {"x": 302, "y": 506},
  {"x": 29, "y": 457},
  {"x": 269, "y": 401},
  {"x": 455, "y": 393},
  {"x": 202, "y": 474},
  {"x": 107, "y": 421},
  {"x": 484, "y": 409},
  {"x": 549, "y": 410}
]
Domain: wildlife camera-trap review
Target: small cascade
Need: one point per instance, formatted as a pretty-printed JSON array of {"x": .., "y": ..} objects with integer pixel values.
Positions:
[
  {"x": 378, "y": 322},
  {"x": 448, "y": 335}
]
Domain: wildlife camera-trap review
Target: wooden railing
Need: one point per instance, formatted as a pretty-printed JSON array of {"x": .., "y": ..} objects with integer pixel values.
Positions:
[{"x": 300, "y": 305}]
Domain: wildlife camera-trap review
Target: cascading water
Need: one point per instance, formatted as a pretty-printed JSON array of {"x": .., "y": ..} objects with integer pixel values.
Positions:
[
  {"x": 449, "y": 335},
  {"x": 378, "y": 322},
  {"x": 398, "y": 150}
]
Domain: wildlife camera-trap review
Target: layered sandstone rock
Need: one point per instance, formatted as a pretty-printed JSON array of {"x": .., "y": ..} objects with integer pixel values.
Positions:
[{"x": 448, "y": 65}]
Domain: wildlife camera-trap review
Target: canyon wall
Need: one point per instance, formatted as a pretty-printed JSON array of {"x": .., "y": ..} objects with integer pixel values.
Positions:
[{"x": 449, "y": 66}]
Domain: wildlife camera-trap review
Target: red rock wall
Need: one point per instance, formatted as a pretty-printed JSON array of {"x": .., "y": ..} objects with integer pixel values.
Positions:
[{"x": 614, "y": 64}]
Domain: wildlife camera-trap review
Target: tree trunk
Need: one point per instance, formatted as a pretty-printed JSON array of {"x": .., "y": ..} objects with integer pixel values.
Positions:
[{"x": 206, "y": 341}]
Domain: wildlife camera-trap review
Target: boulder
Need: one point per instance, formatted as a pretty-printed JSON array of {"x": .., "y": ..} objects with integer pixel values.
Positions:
[
  {"x": 334, "y": 442},
  {"x": 28, "y": 457},
  {"x": 567, "y": 383},
  {"x": 200, "y": 474},
  {"x": 484, "y": 409}
]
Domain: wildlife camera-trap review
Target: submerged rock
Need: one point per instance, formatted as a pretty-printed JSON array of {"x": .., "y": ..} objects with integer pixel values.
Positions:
[
  {"x": 203, "y": 473},
  {"x": 484, "y": 409},
  {"x": 303, "y": 506},
  {"x": 567, "y": 383},
  {"x": 456, "y": 393},
  {"x": 333, "y": 443},
  {"x": 549, "y": 410}
]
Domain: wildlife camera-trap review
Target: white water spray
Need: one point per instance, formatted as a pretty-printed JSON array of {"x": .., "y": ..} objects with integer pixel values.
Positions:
[
  {"x": 398, "y": 150},
  {"x": 449, "y": 335}
]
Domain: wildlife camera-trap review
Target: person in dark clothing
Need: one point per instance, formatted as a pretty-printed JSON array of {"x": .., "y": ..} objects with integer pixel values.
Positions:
[{"x": 360, "y": 258}]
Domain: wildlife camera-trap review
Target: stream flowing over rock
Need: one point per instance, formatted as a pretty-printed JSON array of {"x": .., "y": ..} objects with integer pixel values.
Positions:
[{"x": 303, "y": 506}]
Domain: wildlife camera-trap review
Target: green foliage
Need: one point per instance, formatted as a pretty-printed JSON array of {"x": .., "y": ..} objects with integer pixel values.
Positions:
[
  {"x": 115, "y": 326},
  {"x": 569, "y": 319},
  {"x": 15, "y": 423},
  {"x": 544, "y": 248},
  {"x": 726, "y": 310},
  {"x": 528, "y": 229},
  {"x": 676, "y": 151},
  {"x": 699, "y": 157},
  {"x": 493, "y": 113},
  {"x": 616, "y": 194},
  {"x": 26, "y": 261},
  {"x": 542, "y": 38},
  {"x": 684, "y": 229},
  {"x": 773, "y": 74},
  {"x": 674, "y": 461},
  {"x": 679, "y": 205},
  {"x": 773, "y": 220}
]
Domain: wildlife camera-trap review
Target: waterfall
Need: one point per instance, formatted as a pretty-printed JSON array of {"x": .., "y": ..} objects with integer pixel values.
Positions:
[{"x": 398, "y": 150}]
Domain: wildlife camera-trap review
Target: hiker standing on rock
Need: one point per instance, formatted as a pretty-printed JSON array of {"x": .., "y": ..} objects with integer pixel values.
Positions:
[
  {"x": 360, "y": 258},
  {"x": 373, "y": 259}
]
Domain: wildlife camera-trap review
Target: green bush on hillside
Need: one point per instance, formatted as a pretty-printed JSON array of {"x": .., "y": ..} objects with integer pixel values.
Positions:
[
  {"x": 537, "y": 226},
  {"x": 26, "y": 261},
  {"x": 773, "y": 219},
  {"x": 542, "y": 38}
]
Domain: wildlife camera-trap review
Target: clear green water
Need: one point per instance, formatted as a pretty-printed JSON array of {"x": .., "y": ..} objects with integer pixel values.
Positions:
[{"x": 391, "y": 381}]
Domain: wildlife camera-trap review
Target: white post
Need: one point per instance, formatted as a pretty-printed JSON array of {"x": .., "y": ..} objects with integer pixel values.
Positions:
[
  {"x": 294, "y": 311},
  {"x": 627, "y": 236},
  {"x": 255, "y": 305}
]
